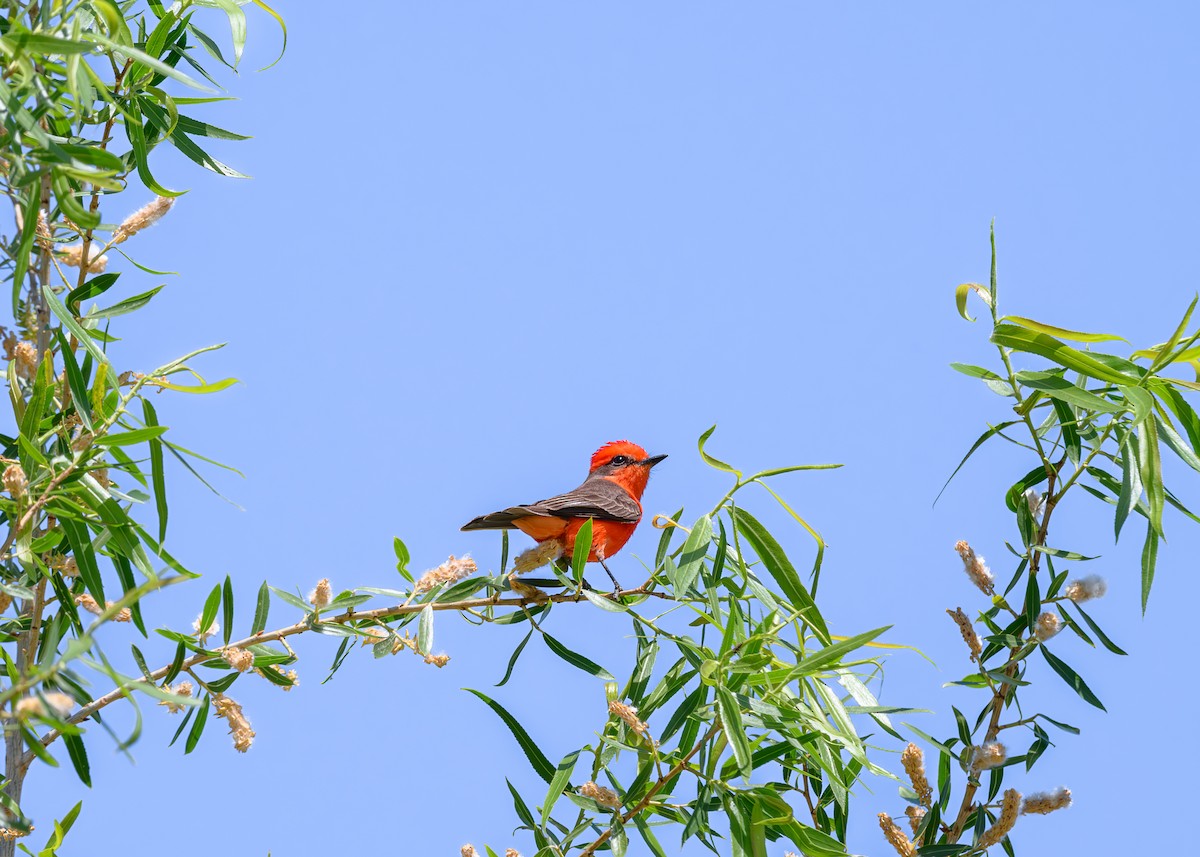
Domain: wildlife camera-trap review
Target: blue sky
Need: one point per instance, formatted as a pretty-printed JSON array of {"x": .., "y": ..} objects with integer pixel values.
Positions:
[{"x": 484, "y": 238}]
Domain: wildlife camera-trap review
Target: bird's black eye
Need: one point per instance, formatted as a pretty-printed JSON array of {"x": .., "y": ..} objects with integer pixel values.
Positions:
[{"x": 619, "y": 460}]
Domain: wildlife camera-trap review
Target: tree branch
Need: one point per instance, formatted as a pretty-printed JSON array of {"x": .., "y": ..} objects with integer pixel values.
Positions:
[
  {"x": 308, "y": 624},
  {"x": 658, "y": 786}
]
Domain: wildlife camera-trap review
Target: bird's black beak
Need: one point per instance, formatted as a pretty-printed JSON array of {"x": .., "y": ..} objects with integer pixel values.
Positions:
[{"x": 652, "y": 460}]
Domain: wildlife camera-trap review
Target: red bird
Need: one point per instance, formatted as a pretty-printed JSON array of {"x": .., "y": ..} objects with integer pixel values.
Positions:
[{"x": 610, "y": 496}]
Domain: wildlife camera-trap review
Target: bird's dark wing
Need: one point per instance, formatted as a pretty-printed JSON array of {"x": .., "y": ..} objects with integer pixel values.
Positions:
[{"x": 601, "y": 499}]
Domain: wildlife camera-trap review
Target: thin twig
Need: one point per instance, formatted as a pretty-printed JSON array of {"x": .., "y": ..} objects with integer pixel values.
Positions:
[
  {"x": 308, "y": 624},
  {"x": 658, "y": 786}
]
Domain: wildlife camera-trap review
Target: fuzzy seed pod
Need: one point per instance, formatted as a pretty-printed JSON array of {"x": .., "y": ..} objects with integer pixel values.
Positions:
[
  {"x": 976, "y": 568},
  {"x": 896, "y": 837}
]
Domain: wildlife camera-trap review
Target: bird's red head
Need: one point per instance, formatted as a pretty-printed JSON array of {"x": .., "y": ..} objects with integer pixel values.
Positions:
[
  {"x": 626, "y": 464},
  {"x": 615, "y": 449}
]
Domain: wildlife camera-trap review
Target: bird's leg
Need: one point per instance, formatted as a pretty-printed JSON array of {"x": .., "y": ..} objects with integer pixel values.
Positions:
[{"x": 617, "y": 586}]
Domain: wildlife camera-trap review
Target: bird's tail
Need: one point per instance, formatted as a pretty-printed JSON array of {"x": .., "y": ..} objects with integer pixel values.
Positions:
[{"x": 497, "y": 520}]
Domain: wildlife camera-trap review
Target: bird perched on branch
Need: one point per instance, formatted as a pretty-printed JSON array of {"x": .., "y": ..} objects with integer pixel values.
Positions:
[{"x": 610, "y": 496}]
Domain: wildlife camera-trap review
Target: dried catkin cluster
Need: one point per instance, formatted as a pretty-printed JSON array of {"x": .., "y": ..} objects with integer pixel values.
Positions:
[
  {"x": 184, "y": 688},
  {"x": 913, "y": 761},
  {"x": 538, "y": 555},
  {"x": 988, "y": 756},
  {"x": 321, "y": 595},
  {"x": 1048, "y": 624},
  {"x": 629, "y": 714},
  {"x": 451, "y": 571},
  {"x": 896, "y": 837},
  {"x": 144, "y": 217},
  {"x": 239, "y": 726},
  {"x": 56, "y": 703},
  {"x": 88, "y": 603},
  {"x": 26, "y": 356},
  {"x": 1044, "y": 803},
  {"x": 976, "y": 568},
  {"x": 1009, "y": 807},
  {"x": 1086, "y": 588},
  {"x": 968, "y": 632},
  {"x": 529, "y": 593},
  {"x": 240, "y": 659},
  {"x": 601, "y": 795},
  {"x": 15, "y": 482},
  {"x": 72, "y": 257}
]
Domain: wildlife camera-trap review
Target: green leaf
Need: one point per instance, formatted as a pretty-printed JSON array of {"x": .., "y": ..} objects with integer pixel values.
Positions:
[
  {"x": 1072, "y": 678},
  {"x": 1176, "y": 443},
  {"x": 92, "y": 288},
  {"x": 1104, "y": 640},
  {"x": 963, "y": 291},
  {"x": 75, "y": 381},
  {"x": 781, "y": 569},
  {"x": 143, "y": 57},
  {"x": 197, "y": 730},
  {"x": 177, "y": 663},
  {"x": 84, "y": 339},
  {"x": 1140, "y": 402},
  {"x": 282, "y": 26},
  {"x": 735, "y": 731},
  {"x": 1019, "y": 339},
  {"x": 1062, "y": 332},
  {"x": 45, "y": 44},
  {"x": 261, "y": 609},
  {"x": 512, "y": 661},
  {"x": 237, "y": 24},
  {"x": 695, "y": 549},
  {"x": 209, "y": 614},
  {"x": 425, "y": 630},
  {"x": 157, "y": 474},
  {"x": 293, "y": 600},
  {"x": 28, "y": 231},
  {"x": 1068, "y": 424},
  {"x": 583, "y": 547},
  {"x": 562, "y": 776},
  {"x": 577, "y": 660},
  {"x": 983, "y": 438},
  {"x": 1070, "y": 556},
  {"x": 1131, "y": 483},
  {"x": 1066, "y": 727},
  {"x": 403, "y": 558},
  {"x": 1151, "y": 473},
  {"x": 812, "y": 842},
  {"x": 35, "y": 409},
  {"x": 126, "y": 306},
  {"x": 1149, "y": 559},
  {"x": 604, "y": 602},
  {"x": 79, "y": 759},
  {"x": 810, "y": 664},
  {"x": 1183, "y": 412},
  {"x": 80, "y": 541},
  {"x": 541, "y": 765},
  {"x": 1058, "y": 387},
  {"x": 713, "y": 462},
  {"x": 227, "y": 609},
  {"x": 126, "y": 438}
]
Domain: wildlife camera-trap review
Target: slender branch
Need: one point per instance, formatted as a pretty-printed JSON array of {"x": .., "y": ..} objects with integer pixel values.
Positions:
[
  {"x": 658, "y": 786},
  {"x": 309, "y": 624},
  {"x": 1001, "y": 694}
]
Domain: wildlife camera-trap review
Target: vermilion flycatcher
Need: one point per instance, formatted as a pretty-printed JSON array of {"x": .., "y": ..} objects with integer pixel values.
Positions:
[{"x": 610, "y": 496}]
